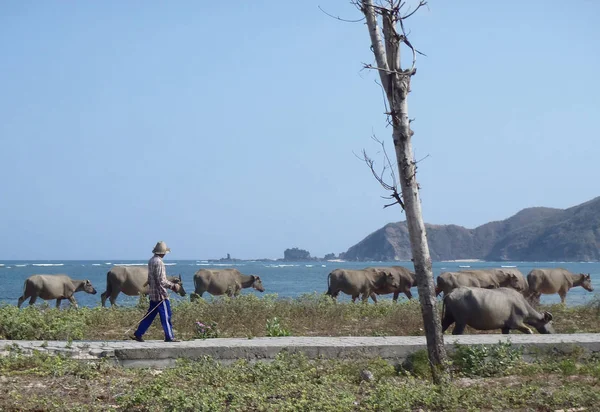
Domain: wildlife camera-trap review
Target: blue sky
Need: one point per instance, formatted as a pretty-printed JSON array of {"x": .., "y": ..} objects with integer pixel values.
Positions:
[{"x": 230, "y": 127}]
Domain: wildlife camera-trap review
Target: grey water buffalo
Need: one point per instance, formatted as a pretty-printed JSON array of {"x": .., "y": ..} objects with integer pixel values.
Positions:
[
  {"x": 132, "y": 281},
  {"x": 481, "y": 278},
  {"x": 57, "y": 287},
  {"x": 488, "y": 309},
  {"x": 224, "y": 282},
  {"x": 405, "y": 281},
  {"x": 448, "y": 281},
  {"x": 504, "y": 277},
  {"x": 362, "y": 281},
  {"x": 550, "y": 281}
]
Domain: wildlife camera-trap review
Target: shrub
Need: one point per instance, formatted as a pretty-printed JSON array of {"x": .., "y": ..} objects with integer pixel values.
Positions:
[{"x": 486, "y": 361}]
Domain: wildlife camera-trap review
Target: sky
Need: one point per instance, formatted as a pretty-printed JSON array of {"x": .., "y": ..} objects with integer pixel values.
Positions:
[{"x": 232, "y": 127}]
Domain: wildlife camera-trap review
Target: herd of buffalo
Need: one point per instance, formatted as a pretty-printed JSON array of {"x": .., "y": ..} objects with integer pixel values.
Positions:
[{"x": 484, "y": 299}]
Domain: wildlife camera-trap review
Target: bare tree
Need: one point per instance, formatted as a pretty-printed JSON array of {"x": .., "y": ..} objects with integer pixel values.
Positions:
[{"x": 396, "y": 84}]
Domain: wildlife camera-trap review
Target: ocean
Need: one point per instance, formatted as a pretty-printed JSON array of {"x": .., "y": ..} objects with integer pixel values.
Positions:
[{"x": 286, "y": 279}]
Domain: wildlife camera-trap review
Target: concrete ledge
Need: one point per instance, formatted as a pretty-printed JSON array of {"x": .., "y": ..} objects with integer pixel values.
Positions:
[{"x": 394, "y": 348}]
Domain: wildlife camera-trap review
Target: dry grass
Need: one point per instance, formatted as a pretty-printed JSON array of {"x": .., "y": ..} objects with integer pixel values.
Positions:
[{"x": 246, "y": 316}]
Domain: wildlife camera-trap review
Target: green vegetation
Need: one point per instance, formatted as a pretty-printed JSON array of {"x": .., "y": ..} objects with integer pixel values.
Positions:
[
  {"x": 293, "y": 382},
  {"x": 274, "y": 328},
  {"x": 249, "y": 316}
]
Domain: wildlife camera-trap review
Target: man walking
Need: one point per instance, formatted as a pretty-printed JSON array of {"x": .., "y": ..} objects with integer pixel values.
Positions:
[{"x": 159, "y": 298}]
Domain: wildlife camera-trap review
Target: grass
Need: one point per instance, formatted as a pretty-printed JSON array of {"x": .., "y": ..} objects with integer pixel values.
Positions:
[
  {"x": 250, "y": 316},
  {"x": 295, "y": 383}
]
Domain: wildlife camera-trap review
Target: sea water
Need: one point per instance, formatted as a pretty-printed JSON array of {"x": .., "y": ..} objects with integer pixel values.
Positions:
[{"x": 286, "y": 279}]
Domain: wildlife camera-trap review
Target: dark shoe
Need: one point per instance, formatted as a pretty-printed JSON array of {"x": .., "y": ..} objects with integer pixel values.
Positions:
[
  {"x": 172, "y": 340},
  {"x": 137, "y": 338}
]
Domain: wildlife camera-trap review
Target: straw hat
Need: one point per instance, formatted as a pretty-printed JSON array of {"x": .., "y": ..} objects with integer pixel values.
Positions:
[{"x": 161, "y": 248}]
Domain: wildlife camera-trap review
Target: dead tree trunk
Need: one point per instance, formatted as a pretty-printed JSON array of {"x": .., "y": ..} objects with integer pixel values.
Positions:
[{"x": 396, "y": 83}]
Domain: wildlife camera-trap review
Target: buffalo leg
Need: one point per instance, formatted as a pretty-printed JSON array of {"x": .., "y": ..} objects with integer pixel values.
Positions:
[
  {"x": 505, "y": 331},
  {"x": 58, "y": 303},
  {"x": 73, "y": 301},
  {"x": 563, "y": 297},
  {"x": 447, "y": 321},
  {"x": 32, "y": 300},
  {"x": 103, "y": 298},
  {"x": 113, "y": 297},
  {"x": 459, "y": 328},
  {"x": 365, "y": 297},
  {"x": 407, "y": 293}
]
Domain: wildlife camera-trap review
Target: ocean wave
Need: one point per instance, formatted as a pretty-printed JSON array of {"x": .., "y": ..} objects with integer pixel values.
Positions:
[
  {"x": 47, "y": 264},
  {"x": 170, "y": 264},
  {"x": 19, "y": 266},
  {"x": 96, "y": 264},
  {"x": 509, "y": 266},
  {"x": 107, "y": 263},
  {"x": 1, "y": 264},
  {"x": 309, "y": 266},
  {"x": 130, "y": 264},
  {"x": 323, "y": 266}
]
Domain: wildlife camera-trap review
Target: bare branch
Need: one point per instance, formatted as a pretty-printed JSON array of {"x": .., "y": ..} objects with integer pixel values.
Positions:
[
  {"x": 339, "y": 18},
  {"x": 421, "y": 4},
  {"x": 419, "y": 161},
  {"x": 393, "y": 187}
]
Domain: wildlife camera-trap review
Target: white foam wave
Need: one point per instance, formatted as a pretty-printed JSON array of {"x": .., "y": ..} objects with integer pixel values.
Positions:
[
  {"x": 309, "y": 266},
  {"x": 170, "y": 264},
  {"x": 96, "y": 264},
  {"x": 323, "y": 266},
  {"x": 107, "y": 263},
  {"x": 509, "y": 266},
  {"x": 464, "y": 266},
  {"x": 1, "y": 264},
  {"x": 47, "y": 264},
  {"x": 130, "y": 264},
  {"x": 8, "y": 267},
  {"x": 19, "y": 266}
]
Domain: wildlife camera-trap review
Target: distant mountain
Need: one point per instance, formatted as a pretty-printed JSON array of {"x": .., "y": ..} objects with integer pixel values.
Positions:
[{"x": 533, "y": 234}]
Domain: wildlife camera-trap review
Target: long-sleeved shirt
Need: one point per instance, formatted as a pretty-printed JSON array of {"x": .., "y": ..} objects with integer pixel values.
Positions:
[{"x": 157, "y": 280}]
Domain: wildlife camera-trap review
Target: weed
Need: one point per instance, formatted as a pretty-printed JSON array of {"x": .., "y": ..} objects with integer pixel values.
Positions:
[
  {"x": 486, "y": 361},
  {"x": 206, "y": 331},
  {"x": 274, "y": 328}
]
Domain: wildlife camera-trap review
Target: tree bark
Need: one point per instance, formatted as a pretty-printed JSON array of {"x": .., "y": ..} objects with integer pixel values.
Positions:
[{"x": 396, "y": 84}]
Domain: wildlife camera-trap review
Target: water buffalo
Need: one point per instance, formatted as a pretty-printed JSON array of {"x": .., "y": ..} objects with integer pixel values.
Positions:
[
  {"x": 550, "y": 281},
  {"x": 405, "y": 278},
  {"x": 487, "y": 309},
  {"x": 505, "y": 277},
  {"x": 448, "y": 281},
  {"x": 223, "y": 282},
  {"x": 362, "y": 281},
  {"x": 481, "y": 278},
  {"x": 57, "y": 287},
  {"x": 132, "y": 281}
]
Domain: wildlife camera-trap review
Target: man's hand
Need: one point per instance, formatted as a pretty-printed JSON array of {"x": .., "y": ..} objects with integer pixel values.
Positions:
[{"x": 176, "y": 287}]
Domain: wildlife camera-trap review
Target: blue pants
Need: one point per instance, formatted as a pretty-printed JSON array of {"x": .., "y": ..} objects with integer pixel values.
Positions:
[{"x": 164, "y": 310}]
